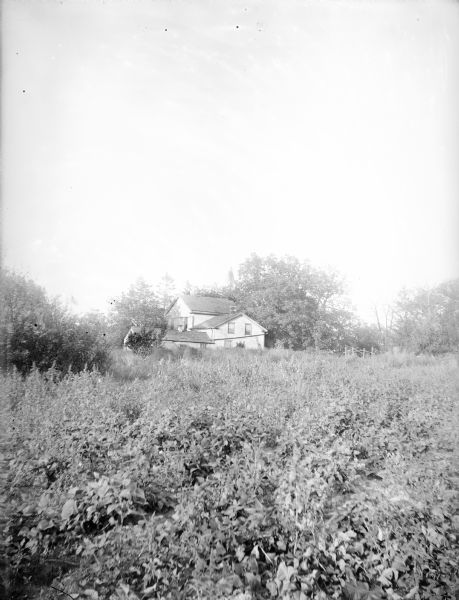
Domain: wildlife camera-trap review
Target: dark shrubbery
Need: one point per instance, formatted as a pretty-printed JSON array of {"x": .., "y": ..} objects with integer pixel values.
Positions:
[{"x": 35, "y": 330}]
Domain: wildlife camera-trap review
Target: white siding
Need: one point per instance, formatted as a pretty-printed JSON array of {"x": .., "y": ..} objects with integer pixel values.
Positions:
[
  {"x": 255, "y": 340},
  {"x": 198, "y": 319},
  {"x": 197, "y": 345},
  {"x": 181, "y": 310}
]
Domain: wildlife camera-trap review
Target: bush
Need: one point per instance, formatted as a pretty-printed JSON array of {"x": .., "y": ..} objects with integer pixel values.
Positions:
[{"x": 38, "y": 331}]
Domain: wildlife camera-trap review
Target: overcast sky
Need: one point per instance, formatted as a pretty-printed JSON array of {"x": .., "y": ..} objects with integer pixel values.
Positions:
[{"x": 144, "y": 137}]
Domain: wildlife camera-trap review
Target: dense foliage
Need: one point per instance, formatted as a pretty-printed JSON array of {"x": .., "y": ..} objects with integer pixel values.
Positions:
[
  {"x": 142, "y": 306},
  {"x": 236, "y": 475},
  {"x": 35, "y": 330},
  {"x": 427, "y": 320}
]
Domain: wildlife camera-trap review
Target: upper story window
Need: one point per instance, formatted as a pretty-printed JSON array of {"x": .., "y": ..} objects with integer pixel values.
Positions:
[
  {"x": 231, "y": 327},
  {"x": 248, "y": 329}
]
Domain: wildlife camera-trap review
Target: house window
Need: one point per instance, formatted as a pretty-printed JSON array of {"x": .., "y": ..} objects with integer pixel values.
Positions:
[
  {"x": 231, "y": 327},
  {"x": 202, "y": 345},
  {"x": 248, "y": 329},
  {"x": 227, "y": 344}
]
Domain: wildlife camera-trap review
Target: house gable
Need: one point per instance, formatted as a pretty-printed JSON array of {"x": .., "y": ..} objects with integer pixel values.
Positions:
[
  {"x": 187, "y": 311},
  {"x": 218, "y": 322}
]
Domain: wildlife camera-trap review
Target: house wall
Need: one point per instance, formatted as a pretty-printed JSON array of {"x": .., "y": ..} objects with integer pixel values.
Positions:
[
  {"x": 180, "y": 311},
  {"x": 196, "y": 345},
  {"x": 179, "y": 315},
  {"x": 255, "y": 340}
]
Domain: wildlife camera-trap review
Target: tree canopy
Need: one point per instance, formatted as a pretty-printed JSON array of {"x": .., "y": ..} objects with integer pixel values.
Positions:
[
  {"x": 427, "y": 320},
  {"x": 142, "y": 307}
]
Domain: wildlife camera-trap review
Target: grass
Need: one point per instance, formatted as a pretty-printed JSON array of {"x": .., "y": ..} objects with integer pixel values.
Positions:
[{"x": 235, "y": 474}]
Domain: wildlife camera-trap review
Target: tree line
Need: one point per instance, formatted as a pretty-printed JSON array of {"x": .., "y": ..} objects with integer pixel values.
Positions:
[{"x": 302, "y": 308}]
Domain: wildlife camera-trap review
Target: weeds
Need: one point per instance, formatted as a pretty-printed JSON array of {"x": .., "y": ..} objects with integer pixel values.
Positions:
[{"x": 236, "y": 474}]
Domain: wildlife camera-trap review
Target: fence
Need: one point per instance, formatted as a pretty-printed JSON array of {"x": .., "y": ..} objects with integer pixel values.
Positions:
[{"x": 361, "y": 352}]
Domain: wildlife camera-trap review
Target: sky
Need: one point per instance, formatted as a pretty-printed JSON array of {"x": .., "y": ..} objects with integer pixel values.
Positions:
[{"x": 149, "y": 136}]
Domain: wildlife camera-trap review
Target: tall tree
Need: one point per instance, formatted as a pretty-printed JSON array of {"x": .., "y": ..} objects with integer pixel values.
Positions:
[
  {"x": 140, "y": 307},
  {"x": 166, "y": 291},
  {"x": 294, "y": 301}
]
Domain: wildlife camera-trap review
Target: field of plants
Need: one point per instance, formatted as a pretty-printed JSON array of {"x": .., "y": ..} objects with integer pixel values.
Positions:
[{"x": 234, "y": 475}]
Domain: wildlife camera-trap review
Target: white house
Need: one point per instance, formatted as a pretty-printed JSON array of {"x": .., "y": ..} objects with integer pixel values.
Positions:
[{"x": 207, "y": 322}]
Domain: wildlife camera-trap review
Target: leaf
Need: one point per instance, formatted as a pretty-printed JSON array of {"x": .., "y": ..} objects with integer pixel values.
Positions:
[
  {"x": 44, "y": 501},
  {"x": 272, "y": 588},
  {"x": 45, "y": 524},
  {"x": 412, "y": 593},
  {"x": 93, "y": 594},
  {"x": 28, "y": 510},
  {"x": 225, "y": 585},
  {"x": 281, "y": 545},
  {"x": 69, "y": 509},
  {"x": 398, "y": 565},
  {"x": 357, "y": 591},
  {"x": 386, "y": 577},
  {"x": 284, "y": 573}
]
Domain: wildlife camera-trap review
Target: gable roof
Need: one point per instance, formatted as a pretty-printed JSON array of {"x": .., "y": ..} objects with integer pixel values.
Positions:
[
  {"x": 199, "y": 337},
  {"x": 208, "y": 305},
  {"x": 215, "y": 322}
]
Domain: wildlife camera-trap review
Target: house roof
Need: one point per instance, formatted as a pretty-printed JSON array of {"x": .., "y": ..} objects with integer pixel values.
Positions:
[
  {"x": 208, "y": 305},
  {"x": 215, "y": 322},
  {"x": 200, "y": 337}
]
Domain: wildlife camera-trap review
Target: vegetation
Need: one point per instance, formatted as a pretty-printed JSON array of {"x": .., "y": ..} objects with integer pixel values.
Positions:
[
  {"x": 235, "y": 475},
  {"x": 141, "y": 306},
  {"x": 427, "y": 320},
  {"x": 35, "y": 330},
  {"x": 301, "y": 306}
]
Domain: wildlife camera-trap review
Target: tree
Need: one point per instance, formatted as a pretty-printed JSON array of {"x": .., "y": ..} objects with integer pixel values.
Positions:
[
  {"x": 38, "y": 331},
  {"x": 385, "y": 316},
  {"x": 365, "y": 337},
  {"x": 293, "y": 300},
  {"x": 139, "y": 307},
  {"x": 427, "y": 320},
  {"x": 166, "y": 291}
]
